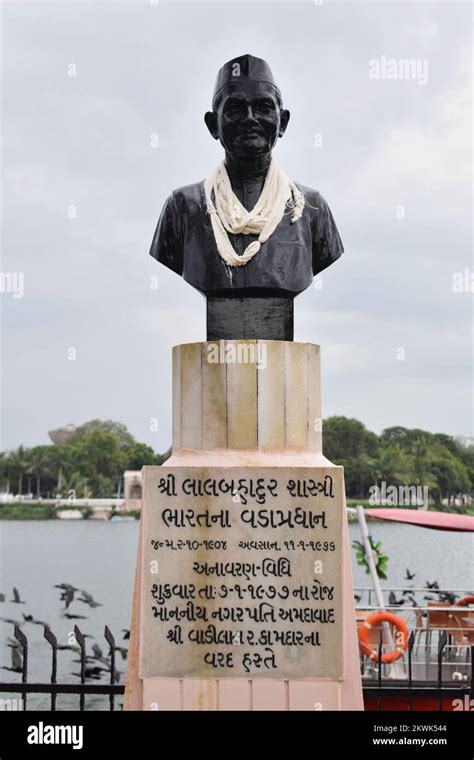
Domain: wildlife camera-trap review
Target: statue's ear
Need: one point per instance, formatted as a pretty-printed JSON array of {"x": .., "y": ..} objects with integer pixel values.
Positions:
[
  {"x": 211, "y": 122},
  {"x": 284, "y": 119}
]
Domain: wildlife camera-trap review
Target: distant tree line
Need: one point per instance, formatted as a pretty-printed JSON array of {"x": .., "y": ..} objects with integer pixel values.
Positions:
[
  {"x": 92, "y": 462},
  {"x": 399, "y": 457}
]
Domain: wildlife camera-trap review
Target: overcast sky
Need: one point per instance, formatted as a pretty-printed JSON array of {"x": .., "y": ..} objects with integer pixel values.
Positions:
[{"x": 83, "y": 141}]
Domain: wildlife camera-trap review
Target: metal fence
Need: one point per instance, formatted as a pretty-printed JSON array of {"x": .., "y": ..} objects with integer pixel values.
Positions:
[
  {"x": 407, "y": 694},
  {"x": 82, "y": 688},
  {"x": 381, "y": 694}
]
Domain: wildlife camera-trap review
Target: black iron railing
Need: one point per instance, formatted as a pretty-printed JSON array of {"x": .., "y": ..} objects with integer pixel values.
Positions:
[
  {"x": 414, "y": 693},
  {"x": 112, "y": 689}
]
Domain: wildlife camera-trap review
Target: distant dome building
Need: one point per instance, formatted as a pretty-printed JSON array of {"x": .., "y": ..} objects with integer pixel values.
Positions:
[{"x": 62, "y": 435}]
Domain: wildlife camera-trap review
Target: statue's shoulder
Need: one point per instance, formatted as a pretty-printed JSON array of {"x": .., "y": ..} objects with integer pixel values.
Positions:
[
  {"x": 188, "y": 195},
  {"x": 314, "y": 201}
]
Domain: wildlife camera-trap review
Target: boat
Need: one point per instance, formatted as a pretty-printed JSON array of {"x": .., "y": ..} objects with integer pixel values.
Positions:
[
  {"x": 69, "y": 514},
  {"x": 122, "y": 518}
]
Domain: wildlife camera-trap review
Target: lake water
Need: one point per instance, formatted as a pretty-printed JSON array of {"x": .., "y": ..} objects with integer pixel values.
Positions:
[{"x": 100, "y": 558}]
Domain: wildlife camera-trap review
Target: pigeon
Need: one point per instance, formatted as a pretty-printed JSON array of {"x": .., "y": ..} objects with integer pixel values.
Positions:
[
  {"x": 448, "y": 597},
  {"x": 19, "y": 623},
  {"x": 98, "y": 653},
  {"x": 393, "y": 601},
  {"x": 409, "y": 576},
  {"x": 65, "y": 586},
  {"x": 435, "y": 585},
  {"x": 90, "y": 658},
  {"x": 126, "y": 633},
  {"x": 94, "y": 672},
  {"x": 67, "y": 594},
  {"x": 88, "y": 599},
  {"x": 30, "y": 619},
  {"x": 70, "y": 616},
  {"x": 17, "y": 661},
  {"x": 67, "y": 597}
]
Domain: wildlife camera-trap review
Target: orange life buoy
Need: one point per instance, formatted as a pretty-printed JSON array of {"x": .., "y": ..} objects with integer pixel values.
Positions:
[
  {"x": 375, "y": 619},
  {"x": 465, "y": 602}
]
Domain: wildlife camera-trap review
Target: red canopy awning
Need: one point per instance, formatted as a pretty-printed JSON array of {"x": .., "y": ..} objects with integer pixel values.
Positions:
[{"x": 436, "y": 520}]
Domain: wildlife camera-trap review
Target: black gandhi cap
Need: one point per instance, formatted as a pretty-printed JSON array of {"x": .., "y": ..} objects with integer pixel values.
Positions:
[{"x": 243, "y": 67}]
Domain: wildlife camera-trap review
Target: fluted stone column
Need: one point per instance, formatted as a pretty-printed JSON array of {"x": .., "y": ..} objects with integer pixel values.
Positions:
[{"x": 255, "y": 396}]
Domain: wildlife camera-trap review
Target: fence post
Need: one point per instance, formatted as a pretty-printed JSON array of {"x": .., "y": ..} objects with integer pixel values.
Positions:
[
  {"x": 51, "y": 639},
  {"x": 111, "y": 642},
  {"x": 411, "y": 642},
  {"x": 21, "y": 637},
  {"x": 441, "y": 644},
  {"x": 82, "y": 644}
]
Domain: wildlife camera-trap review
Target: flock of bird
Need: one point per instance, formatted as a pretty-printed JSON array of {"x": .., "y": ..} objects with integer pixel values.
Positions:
[
  {"x": 409, "y": 595},
  {"x": 96, "y": 664}
]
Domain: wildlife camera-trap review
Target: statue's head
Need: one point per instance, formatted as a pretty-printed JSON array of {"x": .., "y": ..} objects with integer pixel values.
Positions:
[{"x": 247, "y": 114}]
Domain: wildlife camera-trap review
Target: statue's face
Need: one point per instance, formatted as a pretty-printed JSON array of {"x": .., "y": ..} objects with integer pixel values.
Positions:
[{"x": 248, "y": 120}]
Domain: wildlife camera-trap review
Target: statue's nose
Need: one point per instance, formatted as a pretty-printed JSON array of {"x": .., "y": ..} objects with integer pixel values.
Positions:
[{"x": 249, "y": 115}]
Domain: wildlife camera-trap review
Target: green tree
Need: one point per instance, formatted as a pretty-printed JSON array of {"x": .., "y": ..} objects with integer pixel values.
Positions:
[
  {"x": 91, "y": 463},
  {"x": 345, "y": 438},
  {"x": 396, "y": 436},
  {"x": 451, "y": 475},
  {"x": 393, "y": 465},
  {"x": 40, "y": 465},
  {"x": 466, "y": 456},
  {"x": 140, "y": 454},
  {"x": 6, "y": 471},
  {"x": 348, "y": 442},
  {"x": 18, "y": 464},
  {"x": 125, "y": 439},
  {"x": 99, "y": 457},
  {"x": 405, "y": 438},
  {"x": 74, "y": 485}
]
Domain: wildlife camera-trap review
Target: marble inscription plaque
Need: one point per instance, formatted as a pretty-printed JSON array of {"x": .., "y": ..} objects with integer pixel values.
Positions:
[{"x": 241, "y": 573}]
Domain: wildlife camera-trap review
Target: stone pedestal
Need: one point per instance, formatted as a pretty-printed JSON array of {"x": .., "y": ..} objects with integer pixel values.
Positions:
[{"x": 248, "y": 404}]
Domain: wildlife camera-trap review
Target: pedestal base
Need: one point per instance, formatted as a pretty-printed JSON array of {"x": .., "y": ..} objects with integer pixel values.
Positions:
[
  {"x": 230, "y": 693},
  {"x": 242, "y": 416}
]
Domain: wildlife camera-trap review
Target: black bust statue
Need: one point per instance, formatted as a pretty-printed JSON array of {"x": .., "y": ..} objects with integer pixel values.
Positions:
[{"x": 248, "y": 237}]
